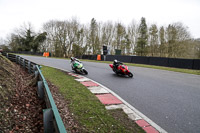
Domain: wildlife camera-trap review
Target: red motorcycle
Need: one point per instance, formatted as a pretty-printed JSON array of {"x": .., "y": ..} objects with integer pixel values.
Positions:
[{"x": 121, "y": 70}]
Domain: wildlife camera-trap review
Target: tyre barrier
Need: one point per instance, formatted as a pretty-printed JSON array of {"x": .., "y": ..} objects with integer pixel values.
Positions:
[{"x": 51, "y": 117}]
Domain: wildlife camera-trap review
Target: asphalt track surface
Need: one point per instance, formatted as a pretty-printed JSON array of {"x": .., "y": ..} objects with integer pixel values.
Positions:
[{"x": 170, "y": 99}]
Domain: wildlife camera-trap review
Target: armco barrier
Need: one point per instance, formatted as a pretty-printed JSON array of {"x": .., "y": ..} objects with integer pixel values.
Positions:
[
  {"x": 158, "y": 61},
  {"x": 102, "y": 57},
  {"x": 110, "y": 57},
  {"x": 124, "y": 58},
  {"x": 119, "y": 57},
  {"x": 94, "y": 57},
  {"x": 196, "y": 64},
  {"x": 51, "y": 117},
  {"x": 90, "y": 57},
  {"x": 180, "y": 63},
  {"x": 140, "y": 60}
]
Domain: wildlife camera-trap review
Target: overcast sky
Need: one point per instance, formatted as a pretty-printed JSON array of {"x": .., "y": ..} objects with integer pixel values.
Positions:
[{"x": 13, "y": 13}]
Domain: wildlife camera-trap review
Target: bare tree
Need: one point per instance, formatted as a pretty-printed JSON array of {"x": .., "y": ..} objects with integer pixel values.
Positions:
[
  {"x": 162, "y": 40},
  {"x": 52, "y": 40},
  {"x": 133, "y": 34},
  {"x": 108, "y": 35},
  {"x": 177, "y": 36}
]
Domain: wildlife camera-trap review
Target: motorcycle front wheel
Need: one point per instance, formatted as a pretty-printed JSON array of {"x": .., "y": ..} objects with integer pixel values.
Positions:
[
  {"x": 130, "y": 74},
  {"x": 85, "y": 71}
]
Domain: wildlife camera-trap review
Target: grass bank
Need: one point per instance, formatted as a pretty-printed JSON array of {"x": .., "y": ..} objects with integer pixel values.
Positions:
[{"x": 87, "y": 109}]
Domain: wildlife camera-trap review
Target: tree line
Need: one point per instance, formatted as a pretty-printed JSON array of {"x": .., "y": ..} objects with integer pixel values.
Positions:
[{"x": 71, "y": 38}]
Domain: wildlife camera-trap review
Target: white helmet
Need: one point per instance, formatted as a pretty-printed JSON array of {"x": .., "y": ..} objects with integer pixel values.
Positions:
[
  {"x": 115, "y": 61},
  {"x": 72, "y": 58}
]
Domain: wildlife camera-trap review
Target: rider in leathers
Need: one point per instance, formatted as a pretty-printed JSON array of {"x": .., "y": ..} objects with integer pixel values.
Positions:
[
  {"x": 73, "y": 59},
  {"x": 116, "y": 63}
]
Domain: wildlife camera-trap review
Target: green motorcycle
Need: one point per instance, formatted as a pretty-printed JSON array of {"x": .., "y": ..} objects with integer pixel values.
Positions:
[{"x": 78, "y": 67}]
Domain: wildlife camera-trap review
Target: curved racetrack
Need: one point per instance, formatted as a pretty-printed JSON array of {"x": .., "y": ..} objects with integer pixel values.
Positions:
[{"x": 170, "y": 99}]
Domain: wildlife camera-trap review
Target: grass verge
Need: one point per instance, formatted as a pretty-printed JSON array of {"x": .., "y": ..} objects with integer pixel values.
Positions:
[{"x": 87, "y": 109}]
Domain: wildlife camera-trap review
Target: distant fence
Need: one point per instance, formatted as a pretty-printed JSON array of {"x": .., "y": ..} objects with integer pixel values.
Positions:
[
  {"x": 25, "y": 52},
  {"x": 158, "y": 61},
  {"x": 51, "y": 117}
]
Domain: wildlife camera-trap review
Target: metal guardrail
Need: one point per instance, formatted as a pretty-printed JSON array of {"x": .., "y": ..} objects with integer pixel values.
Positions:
[
  {"x": 51, "y": 113},
  {"x": 51, "y": 117}
]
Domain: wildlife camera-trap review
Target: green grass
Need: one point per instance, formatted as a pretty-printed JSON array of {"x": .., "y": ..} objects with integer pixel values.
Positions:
[
  {"x": 189, "y": 71},
  {"x": 87, "y": 109}
]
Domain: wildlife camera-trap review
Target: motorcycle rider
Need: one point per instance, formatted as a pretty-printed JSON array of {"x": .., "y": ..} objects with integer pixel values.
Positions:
[
  {"x": 73, "y": 59},
  {"x": 116, "y": 63}
]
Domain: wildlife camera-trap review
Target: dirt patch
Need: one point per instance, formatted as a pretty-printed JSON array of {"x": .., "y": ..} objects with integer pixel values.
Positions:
[
  {"x": 20, "y": 108},
  {"x": 68, "y": 119}
]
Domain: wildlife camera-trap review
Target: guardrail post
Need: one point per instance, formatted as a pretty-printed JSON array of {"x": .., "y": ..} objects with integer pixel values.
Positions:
[
  {"x": 16, "y": 57},
  {"x": 34, "y": 68},
  {"x": 40, "y": 91},
  {"x": 48, "y": 121},
  {"x": 24, "y": 65},
  {"x": 19, "y": 60},
  {"x": 36, "y": 73},
  {"x": 29, "y": 67},
  {"x": 6, "y": 55}
]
